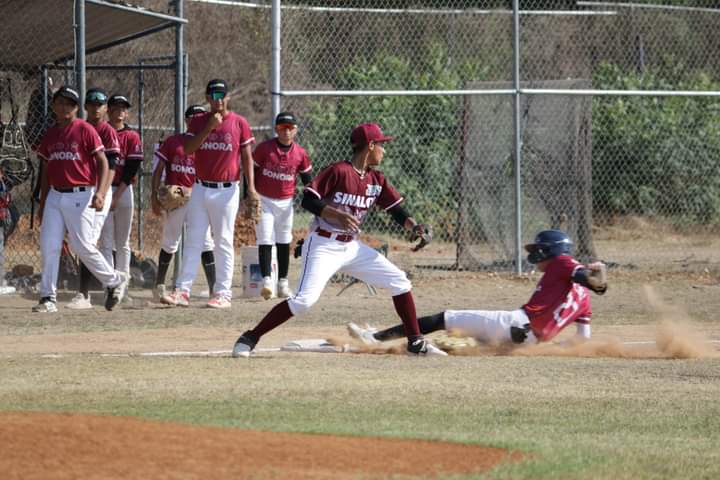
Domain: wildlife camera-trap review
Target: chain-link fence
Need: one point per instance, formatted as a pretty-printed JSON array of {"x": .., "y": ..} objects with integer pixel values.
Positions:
[{"x": 632, "y": 177}]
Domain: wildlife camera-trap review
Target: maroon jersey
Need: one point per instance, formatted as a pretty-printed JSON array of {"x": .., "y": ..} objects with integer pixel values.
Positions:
[
  {"x": 109, "y": 138},
  {"x": 344, "y": 188},
  {"x": 218, "y": 158},
  {"x": 130, "y": 149},
  {"x": 558, "y": 301},
  {"x": 276, "y": 168},
  {"x": 69, "y": 152},
  {"x": 179, "y": 167}
]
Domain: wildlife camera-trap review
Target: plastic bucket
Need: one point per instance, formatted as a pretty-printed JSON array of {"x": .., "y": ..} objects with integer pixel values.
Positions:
[{"x": 251, "y": 276}]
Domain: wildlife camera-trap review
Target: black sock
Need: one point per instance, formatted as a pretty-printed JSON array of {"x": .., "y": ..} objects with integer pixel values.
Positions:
[
  {"x": 283, "y": 258},
  {"x": 208, "y": 263},
  {"x": 429, "y": 324},
  {"x": 164, "y": 260},
  {"x": 265, "y": 258},
  {"x": 85, "y": 277}
]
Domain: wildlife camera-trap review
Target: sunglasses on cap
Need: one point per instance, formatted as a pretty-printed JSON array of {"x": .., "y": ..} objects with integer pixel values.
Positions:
[{"x": 96, "y": 97}]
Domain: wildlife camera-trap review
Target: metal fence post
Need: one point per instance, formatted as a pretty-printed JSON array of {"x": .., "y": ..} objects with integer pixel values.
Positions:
[
  {"x": 179, "y": 109},
  {"x": 140, "y": 174},
  {"x": 80, "y": 52},
  {"x": 517, "y": 136},
  {"x": 275, "y": 69}
]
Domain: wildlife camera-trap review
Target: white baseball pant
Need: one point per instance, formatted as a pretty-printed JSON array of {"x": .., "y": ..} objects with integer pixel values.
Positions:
[
  {"x": 488, "y": 326},
  {"x": 71, "y": 211},
  {"x": 322, "y": 257},
  {"x": 116, "y": 231},
  {"x": 216, "y": 207},
  {"x": 172, "y": 229},
  {"x": 276, "y": 221},
  {"x": 101, "y": 216}
]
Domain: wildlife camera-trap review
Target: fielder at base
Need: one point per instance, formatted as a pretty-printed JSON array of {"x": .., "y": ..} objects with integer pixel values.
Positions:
[
  {"x": 278, "y": 162},
  {"x": 219, "y": 138},
  {"x": 96, "y": 107},
  {"x": 115, "y": 236},
  {"x": 561, "y": 298},
  {"x": 73, "y": 159},
  {"x": 340, "y": 198},
  {"x": 175, "y": 167}
]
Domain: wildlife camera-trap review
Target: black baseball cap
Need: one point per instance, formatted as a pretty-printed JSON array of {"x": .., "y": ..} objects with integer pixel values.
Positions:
[
  {"x": 97, "y": 96},
  {"x": 194, "y": 110},
  {"x": 216, "y": 86},
  {"x": 69, "y": 93},
  {"x": 119, "y": 100},
  {"x": 285, "y": 118}
]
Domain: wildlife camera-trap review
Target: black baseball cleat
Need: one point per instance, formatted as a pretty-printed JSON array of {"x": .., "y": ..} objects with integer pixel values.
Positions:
[
  {"x": 244, "y": 345},
  {"x": 422, "y": 348},
  {"x": 113, "y": 295}
]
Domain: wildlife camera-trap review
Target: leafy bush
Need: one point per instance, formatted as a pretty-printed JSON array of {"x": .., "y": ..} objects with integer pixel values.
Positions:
[
  {"x": 421, "y": 163},
  {"x": 656, "y": 156}
]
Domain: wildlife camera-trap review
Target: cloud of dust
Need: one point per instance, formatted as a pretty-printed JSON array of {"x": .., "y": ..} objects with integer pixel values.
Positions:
[{"x": 675, "y": 336}]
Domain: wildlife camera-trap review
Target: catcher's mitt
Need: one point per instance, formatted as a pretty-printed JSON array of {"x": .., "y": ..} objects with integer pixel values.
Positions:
[
  {"x": 171, "y": 197},
  {"x": 424, "y": 232},
  {"x": 597, "y": 278},
  {"x": 253, "y": 208}
]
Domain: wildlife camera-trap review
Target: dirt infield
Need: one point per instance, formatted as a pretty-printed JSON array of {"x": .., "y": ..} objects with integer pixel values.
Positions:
[{"x": 63, "y": 446}]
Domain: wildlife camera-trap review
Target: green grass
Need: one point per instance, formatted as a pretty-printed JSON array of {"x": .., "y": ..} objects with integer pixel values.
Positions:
[{"x": 575, "y": 418}]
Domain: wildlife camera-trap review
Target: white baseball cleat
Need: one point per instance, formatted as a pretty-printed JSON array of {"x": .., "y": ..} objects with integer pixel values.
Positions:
[
  {"x": 365, "y": 335},
  {"x": 219, "y": 301},
  {"x": 266, "y": 291},
  {"x": 177, "y": 298},
  {"x": 284, "y": 288},
  {"x": 423, "y": 348},
  {"x": 79, "y": 302},
  {"x": 46, "y": 305}
]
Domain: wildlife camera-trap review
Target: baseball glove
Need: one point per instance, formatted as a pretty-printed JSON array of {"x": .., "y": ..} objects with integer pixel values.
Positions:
[
  {"x": 173, "y": 196},
  {"x": 253, "y": 208},
  {"x": 597, "y": 278},
  {"x": 421, "y": 231}
]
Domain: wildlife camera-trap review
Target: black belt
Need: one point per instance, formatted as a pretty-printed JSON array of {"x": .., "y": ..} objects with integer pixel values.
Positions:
[
  {"x": 339, "y": 238},
  {"x": 214, "y": 184},
  {"x": 82, "y": 188}
]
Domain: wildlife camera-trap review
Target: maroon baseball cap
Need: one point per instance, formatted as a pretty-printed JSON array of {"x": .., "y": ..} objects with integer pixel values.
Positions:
[{"x": 366, "y": 133}]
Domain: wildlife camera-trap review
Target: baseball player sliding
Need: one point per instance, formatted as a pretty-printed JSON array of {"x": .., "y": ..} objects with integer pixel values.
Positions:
[
  {"x": 561, "y": 298},
  {"x": 115, "y": 234},
  {"x": 74, "y": 166},
  {"x": 178, "y": 170},
  {"x": 96, "y": 108},
  {"x": 340, "y": 198},
  {"x": 277, "y": 163},
  {"x": 218, "y": 138}
]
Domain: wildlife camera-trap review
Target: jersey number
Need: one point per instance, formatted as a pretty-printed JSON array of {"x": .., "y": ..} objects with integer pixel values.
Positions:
[{"x": 567, "y": 310}]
